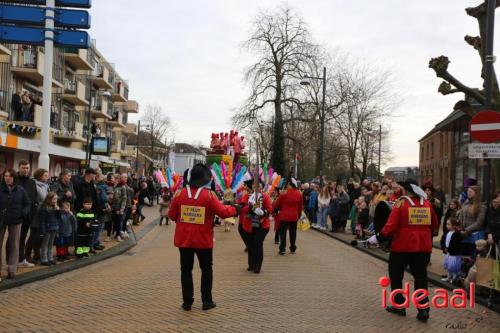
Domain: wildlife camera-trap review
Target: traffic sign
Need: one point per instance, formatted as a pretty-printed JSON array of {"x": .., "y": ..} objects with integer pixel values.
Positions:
[
  {"x": 66, "y": 18},
  {"x": 59, "y": 3},
  {"x": 36, "y": 36},
  {"x": 485, "y": 126},
  {"x": 484, "y": 150}
]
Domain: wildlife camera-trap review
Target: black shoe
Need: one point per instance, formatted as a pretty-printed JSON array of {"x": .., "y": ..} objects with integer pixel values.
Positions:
[
  {"x": 86, "y": 255},
  {"x": 423, "y": 315},
  {"x": 143, "y": 218},
  {"x": 292, "y": 251},
  {"x": 45, "y": 263},
  {"x": 246, "y": 250},
  {"x": 281, "y": 253},
  {"x": 208, "y": 306},
  {"x": 186, "y": 307},
  {"x": 249, "y": 269},
  {"x": 256, "y": 271},
  {"x": 399, "y": 312},
  {"x": 99, "y": 247},
  {"x": 53, "y": 262},
  {"x": 92, "y": 251},
  {"x": 60, "y": 258}
]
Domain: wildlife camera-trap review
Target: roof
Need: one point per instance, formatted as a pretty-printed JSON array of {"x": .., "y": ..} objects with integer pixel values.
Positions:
[
  {"x": 144, "y": 140},
  {"x": 185, "y": 148},
  {"x": 453, "y": 116},
  {"x": 400, "y": 169}
]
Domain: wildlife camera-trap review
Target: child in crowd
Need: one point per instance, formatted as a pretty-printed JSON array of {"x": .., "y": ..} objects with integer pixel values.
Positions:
[
  {"x": 353, "y": 216},
  {"x": 66, "y": 224},
  {"x": 450, "y": 244},
  {"x": 453, "y": 211},
  {"x": 108, "y": 214},
  {"x": 49, "y": 224},
  {"x": 363, "y": 218},
  {"x": 85, "y": 219},
  {"x": 164, "y": 208}
]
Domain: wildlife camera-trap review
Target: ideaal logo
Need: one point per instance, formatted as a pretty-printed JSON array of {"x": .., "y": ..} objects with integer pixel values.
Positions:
[{"x": 439, "y": 300}]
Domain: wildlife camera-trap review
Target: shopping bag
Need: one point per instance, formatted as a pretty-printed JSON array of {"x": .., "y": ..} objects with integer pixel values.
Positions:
[
  {"x": 484, "y": 275},
  {"x": 303, "y": 223},
  {"x": 496, "y": 272}
]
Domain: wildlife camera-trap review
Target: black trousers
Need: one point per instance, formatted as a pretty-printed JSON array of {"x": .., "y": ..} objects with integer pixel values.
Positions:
[
  {"x": 255, "y": 245},
  {"x": 292, "y": 227},
  {"x": 205, "y": 259},
  {"x": 242, "y": 234},
  {"x": 417, "y": 261}
]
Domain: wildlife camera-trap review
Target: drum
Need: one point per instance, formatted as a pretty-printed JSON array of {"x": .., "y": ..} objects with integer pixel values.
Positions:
[{"x": 382, "y": 212}]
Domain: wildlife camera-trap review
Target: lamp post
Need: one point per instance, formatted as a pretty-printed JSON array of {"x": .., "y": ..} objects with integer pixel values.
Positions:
[
  {"x": 106, "y": 94},
  {"x": 305, "y": 81},
  {"x": 137, "y": 143}
]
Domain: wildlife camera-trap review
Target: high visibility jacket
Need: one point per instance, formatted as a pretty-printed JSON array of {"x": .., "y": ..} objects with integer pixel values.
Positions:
[
  {"x": 290, "y": 205},
  {"x": 82, "y": 218},
  {"x": 193, "y": 211},
  {"x": 246, "y": 219},
  {"x": 410, "y": 225}
]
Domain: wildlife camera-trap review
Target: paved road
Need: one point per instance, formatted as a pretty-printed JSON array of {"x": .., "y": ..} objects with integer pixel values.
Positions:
[{"x": 325, "y": 287}]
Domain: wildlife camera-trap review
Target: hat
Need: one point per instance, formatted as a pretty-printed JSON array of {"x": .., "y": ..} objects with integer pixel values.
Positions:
[
  {"x": 410, "y": 185},
  {"x": 429, "y": 186},
  {"x": 293, "y": 182},
  {"x": 468, "y": 182},
  {"x": 199, "y": 176},
  {"x": 90, "y": 171}
]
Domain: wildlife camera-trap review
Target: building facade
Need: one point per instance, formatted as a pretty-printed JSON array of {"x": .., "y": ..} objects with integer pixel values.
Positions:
[
  {"x": 186, "y": 156},
  {"x": 402, "y": 173},
  {"x": 89, "y": 99}
]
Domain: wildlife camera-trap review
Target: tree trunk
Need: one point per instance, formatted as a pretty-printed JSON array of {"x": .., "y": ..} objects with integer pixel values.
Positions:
[{"x": 278, "y": 153}]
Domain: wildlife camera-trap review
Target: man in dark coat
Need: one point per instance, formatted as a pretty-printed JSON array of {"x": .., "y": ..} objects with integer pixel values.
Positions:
[
  {"x": 86, "y": 188},
  {"x": 28, "y": 184}
]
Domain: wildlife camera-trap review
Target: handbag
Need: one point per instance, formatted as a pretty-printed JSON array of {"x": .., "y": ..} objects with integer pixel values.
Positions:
[
  {"x": 488, "y": 271},
  {"x": 303, "y": 223}
]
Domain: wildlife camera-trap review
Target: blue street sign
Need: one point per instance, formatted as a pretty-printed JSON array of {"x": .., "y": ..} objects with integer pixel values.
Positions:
[
  {"x": 66, "y": 18},
  {"x": 59, "y": 3},
  {"x": 36, "y": 36}
]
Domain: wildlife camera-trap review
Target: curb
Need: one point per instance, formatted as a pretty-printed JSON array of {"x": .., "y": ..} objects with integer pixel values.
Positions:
[
  {"x": 76, "y": 264},
  {"x": 434, "y": 279}
]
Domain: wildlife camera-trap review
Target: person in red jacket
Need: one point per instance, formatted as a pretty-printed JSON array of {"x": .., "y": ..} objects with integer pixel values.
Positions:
[
  {"x": 410, "y": 226},
  {"x": 254, "y": 217},
  {"x": 289, "y": 206},
  {"x": 193, "y": 209}
]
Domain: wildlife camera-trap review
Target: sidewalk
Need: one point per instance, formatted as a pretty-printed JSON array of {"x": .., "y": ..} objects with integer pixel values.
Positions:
[
  {"x": 113, "y": 248},
  {"x": 434, "y": 271}
]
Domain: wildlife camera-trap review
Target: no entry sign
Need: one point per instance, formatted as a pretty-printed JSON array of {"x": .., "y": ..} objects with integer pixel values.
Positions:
[{"x": 485, "y": 126}]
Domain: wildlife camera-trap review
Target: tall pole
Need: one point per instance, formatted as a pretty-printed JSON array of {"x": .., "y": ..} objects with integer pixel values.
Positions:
[
  {"x": 137, "y": 146},
  {"x": 488, "y": 80},
  {"x": 152, "y": 152},
  {"x": 44, "y": 159},
  {"x": 322, "y": 130},
  {"x": 296, "y": 166},
  {"x": 87, "y": 149},
  {"x": 379, "y": 150}
]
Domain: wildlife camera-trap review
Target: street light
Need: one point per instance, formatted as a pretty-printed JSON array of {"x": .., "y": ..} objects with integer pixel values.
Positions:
[
  {"x": 106, "y": 94},
  {"x": 147, "y": 127},
  {"x": 306, "y": 82}
]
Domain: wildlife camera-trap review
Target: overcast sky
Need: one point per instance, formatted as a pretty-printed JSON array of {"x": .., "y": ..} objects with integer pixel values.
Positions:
[{"x": 186, "y": 55}]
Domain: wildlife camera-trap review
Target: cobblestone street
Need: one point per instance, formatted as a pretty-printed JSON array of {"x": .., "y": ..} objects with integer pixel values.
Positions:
[{"x": 325, "y": 287}]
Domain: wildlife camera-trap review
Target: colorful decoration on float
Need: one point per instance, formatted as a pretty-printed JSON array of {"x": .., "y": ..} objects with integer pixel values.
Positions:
[{"x": 18, "y": 128}]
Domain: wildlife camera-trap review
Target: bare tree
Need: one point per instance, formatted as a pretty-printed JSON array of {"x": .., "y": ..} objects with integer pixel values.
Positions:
[
  {"x": 282, "y": 43},
  {"x": 159, "y": 126}
]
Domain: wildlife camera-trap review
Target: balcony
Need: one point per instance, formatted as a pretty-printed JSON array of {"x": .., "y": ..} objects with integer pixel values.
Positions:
[
  {"x": 74, "y": 93},
  {"x": 100, "y": 108},
  {"x": 119, "y": 92},
  {"x": 100, "y": 77},
  {"x": 78, "y": 59},
  {"x": 28, "y": 64},
  {"x": 4, "y": 50},
  {"x": 35, "y": 118},
  {"x": 131, "y": 107},
  {"x": 117, "y": 119},
  {"x": 73, "y": 135},
  {"x": 130, "y": 129}
]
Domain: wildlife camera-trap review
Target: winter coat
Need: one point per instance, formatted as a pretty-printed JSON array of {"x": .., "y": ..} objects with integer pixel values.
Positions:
[
  {"x": 493, "y": 223},
  {"x": 324, "y": 201},
  {"x": 120, "y": 197},
  {"x": 42, "y": 189},
  {"x": 313, "y": 201},
  {"x": 14, "y": 205},
  {"x": 49, "y": 219},
  {"x": 343, "y": 199},
  {"x": 83, "y": 190},
  {"x": 67, "y": 224},
  {"x": 82, "y": 218},
  {"x": 450, "y": 213},
  {"x": 472, "y": 223},
  {"x": 289, "y": 205},
  {"x": 61, "y": 189},
  {"x": 454, "y": 248},
  {"x": 363, "y": 217},
  {"x": 306, "y": 196},
  {"x": 28, "y": 184},
  {"x": 102, "y": 193}
]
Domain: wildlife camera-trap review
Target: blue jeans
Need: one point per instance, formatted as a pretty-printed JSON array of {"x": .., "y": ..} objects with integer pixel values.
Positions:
[
  {"x": 323, "y": 217},
  {"x": 96, "y": 233}
]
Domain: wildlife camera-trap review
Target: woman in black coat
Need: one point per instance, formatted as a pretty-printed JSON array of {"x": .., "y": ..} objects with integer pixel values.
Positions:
[{"x": 14, "y": 206}]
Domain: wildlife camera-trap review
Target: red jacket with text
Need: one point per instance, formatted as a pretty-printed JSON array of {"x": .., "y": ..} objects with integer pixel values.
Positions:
[
  {"x": 290, "y": 205},
  {"x": 246, "y": 220},
  {"x": 410, "y": 225},
  {"x": 193, "y": 211}
]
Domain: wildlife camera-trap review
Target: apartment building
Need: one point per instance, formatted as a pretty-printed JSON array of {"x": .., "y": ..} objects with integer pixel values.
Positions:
[{"x": 89, "y": 98}]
